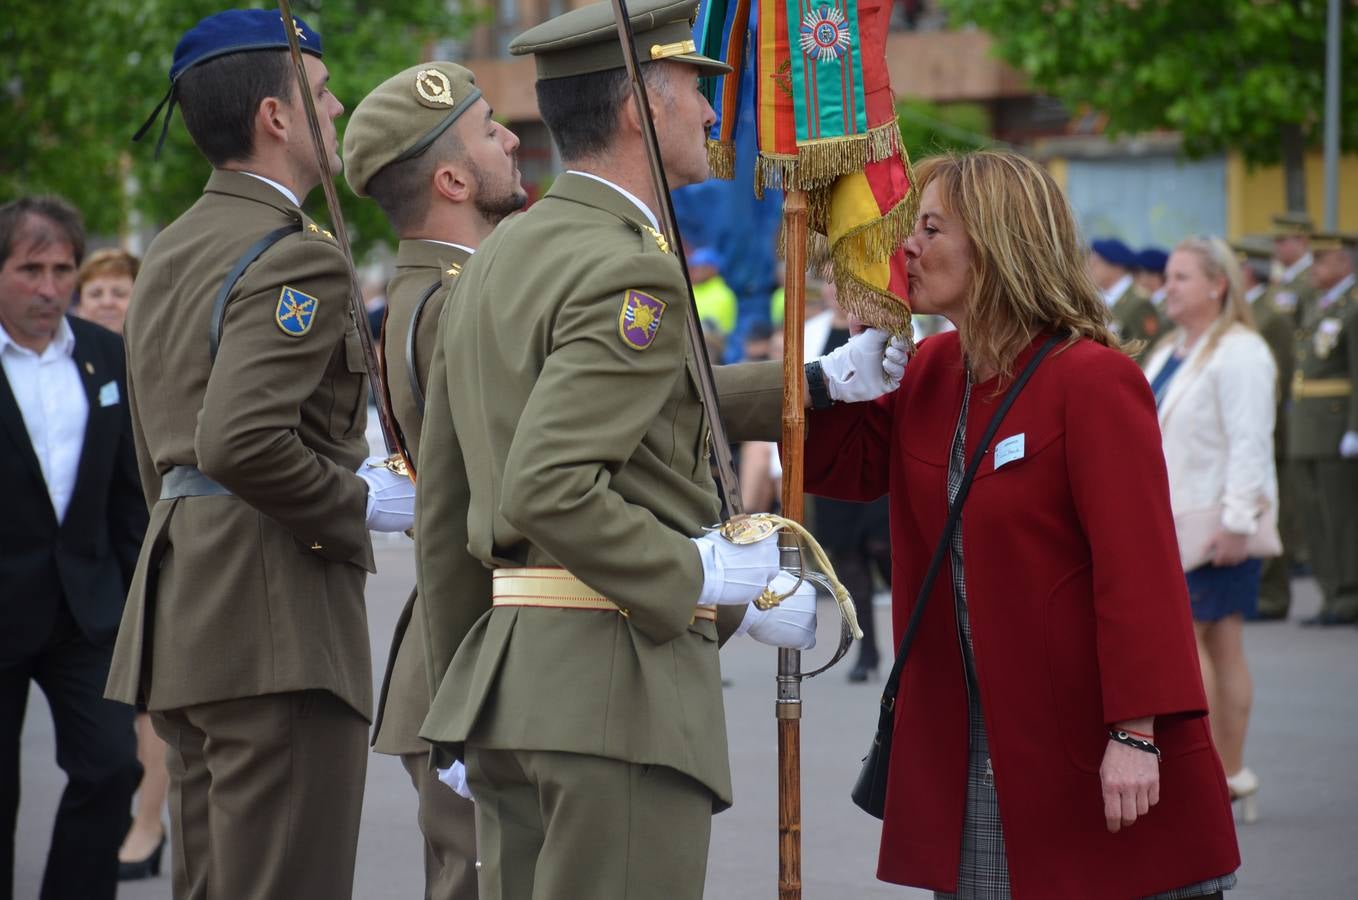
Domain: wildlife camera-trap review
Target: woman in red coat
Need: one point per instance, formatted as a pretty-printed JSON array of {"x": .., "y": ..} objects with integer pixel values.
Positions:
[{"x": 1050, "y": 739}]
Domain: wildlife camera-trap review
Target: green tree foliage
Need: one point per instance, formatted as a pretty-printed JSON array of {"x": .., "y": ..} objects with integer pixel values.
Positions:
[
  {"x": 79, "y": 78},
  {"x": 931, "y": 128},
  {"x": 1225, "y": 74}
]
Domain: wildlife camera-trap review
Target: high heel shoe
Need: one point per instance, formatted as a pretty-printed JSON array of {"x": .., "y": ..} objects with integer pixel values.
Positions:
[
  {"x": 860, "y": 672},
  {"x": 1244, "y": 786},
  {"x": 138, "y": 869}
]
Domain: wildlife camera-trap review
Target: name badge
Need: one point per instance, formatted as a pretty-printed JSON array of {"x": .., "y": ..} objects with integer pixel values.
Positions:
[
  {"x": 108, "y": 394},
  {"x": 1008, "y": 450}
]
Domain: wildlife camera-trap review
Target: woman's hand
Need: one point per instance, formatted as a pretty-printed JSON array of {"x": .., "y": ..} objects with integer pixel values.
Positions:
[
  {"x": 1131, "y": 784},
  {"x": 1228, "y": 548}
]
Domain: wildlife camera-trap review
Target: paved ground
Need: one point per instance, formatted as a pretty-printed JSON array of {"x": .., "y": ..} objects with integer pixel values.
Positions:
[{"x": 1303, "y": 737}]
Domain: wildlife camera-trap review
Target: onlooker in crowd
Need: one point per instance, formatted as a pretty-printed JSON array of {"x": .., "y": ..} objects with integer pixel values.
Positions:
[
  {"x": 855, "y": 535},
  {"x": 1322, "y": 431},
  {"x": 1150, "y": 274},
  {"x": 104, "y": 289},
  {"x": 1134, "y": 316},
  {"x": 1071, "y": 618},
  {"x": 1214, "y": 384},
  {"x": 1275, "y": 327},
  {"x": 105, "y": 286},
  {"x": 716, "y": 301},
  {"x": 74, "y": 523}
]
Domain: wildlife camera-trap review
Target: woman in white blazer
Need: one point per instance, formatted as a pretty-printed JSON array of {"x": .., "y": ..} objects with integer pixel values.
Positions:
[{"x": 1215, "y": 387}]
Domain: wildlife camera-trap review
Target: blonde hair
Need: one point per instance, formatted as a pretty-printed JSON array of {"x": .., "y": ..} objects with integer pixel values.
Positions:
[
  {"x": 1218, "y": 261},
  {"x": 1028, "y": 263},
  {"x": 110, "y": 262}
]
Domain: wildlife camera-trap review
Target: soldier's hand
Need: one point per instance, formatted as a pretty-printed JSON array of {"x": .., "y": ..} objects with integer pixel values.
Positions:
[
  {"x": 734, "y": 574},
  {"x": 455, "y": 776},
  {"x": 790, "y": 624},
  {"x": 1348, "y": 445},
  {"x": 391, "y": 497},
  {"x": 869, "y": 365}
]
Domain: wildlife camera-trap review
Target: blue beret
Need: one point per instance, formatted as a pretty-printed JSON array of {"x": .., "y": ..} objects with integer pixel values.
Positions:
[
  {"x": 704, "y": 256},
  {"x": 1152, "y": 259},
  {"x": 1115, "y": 252},
  {"x": 232, "y": 31},
  {"x": 235, "y": 31}
]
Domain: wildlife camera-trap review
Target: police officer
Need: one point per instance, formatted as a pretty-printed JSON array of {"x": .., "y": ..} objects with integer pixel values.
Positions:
[
  {"x": 1323, "y": 427},
  {"x": 1135, "y": 318},
  {"x": 1276, "y": 328},
  {"x": 244, "y": 632},
  {"x": 565, "y": 448},
  {"x": 423, "y": 145}
]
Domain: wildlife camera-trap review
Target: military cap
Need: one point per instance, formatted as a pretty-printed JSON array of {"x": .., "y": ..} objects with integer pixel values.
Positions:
[
  {"x": 1291, "y": 224},
  {"x": 1114, "y": 251},
  {"x": 586, "y": 39},
  {"x": 1257, "y": 248},
  {"x": 1322, "y": 241},
  {"x": 231, "y": 31},
  {"x": 238, "y": 31},
  {"x": 1152, "y": 259},
  {"x": 403, "y": 116}
]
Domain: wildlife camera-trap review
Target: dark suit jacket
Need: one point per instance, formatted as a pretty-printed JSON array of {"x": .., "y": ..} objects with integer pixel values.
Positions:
[{"x": 88, "y": 558}]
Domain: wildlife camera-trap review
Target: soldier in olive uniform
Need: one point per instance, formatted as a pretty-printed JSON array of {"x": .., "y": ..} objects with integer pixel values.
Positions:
[
  {"x": 1323, "y": 427},
  {"x": 1135, "y": 318},
  {"x": 424, "y": 146},
  {"x": 565, "y": 447},
  {"x": 245, "y": 633},
  {"x": 1291, "y": 288},
  {"x": 1276, "y": 328}
]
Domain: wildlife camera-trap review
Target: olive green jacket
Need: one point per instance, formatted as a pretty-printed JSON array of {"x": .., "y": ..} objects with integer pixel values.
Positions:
[
  {"x": 403, "y": 701},
  {"x": 1137, "y": 319},
  {"x": 1278, "y": 329},
  {"x": 550, "y": 441},
  {"x": 1325, "y": 350},
  {"x": 259, "y": 591}
]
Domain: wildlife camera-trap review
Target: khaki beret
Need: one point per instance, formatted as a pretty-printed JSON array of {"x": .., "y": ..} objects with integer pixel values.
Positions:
[
  {"x": 403, "y": 116},
  {"x": 1252, "y": 247},
  {"x": 1289, "y": 224},
  {"x": 1322, "y": 241},
  {"x": 586, "y": 39}
]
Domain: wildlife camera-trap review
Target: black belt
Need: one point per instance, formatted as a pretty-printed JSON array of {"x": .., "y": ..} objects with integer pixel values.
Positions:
[{"x": 187, "y": 481}]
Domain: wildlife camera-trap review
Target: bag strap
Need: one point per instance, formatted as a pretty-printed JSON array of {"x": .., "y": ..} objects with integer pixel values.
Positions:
[
  {"x": 412, "y": 369},
  {"x": 955, "y": 513},
  {"x": 255, "y": 250}
]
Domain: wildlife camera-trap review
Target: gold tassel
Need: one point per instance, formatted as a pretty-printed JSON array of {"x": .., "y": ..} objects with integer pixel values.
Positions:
[
  {"x": 876, "y": 240},
  {"x": 873, "y": 307},
  {"x": 721, "y": 157}
]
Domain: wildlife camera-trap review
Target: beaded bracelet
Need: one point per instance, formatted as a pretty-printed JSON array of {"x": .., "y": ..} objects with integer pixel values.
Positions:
[{"x": 1123, "y": 737}]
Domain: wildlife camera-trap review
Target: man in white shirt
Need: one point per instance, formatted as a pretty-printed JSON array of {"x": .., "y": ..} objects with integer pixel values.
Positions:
[{"x": 68, "y": 545}]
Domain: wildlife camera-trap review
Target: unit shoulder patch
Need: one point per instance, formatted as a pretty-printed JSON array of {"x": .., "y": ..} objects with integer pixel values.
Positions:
[
  {"x": 295, "y": 311},
  {"x": 639, "y": 320}
]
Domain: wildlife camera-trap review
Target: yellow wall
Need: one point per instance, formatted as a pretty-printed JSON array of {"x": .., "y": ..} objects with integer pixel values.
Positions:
[
  {"x": 1059, "y": 171},
  {"x": 1253, "y": 197}
]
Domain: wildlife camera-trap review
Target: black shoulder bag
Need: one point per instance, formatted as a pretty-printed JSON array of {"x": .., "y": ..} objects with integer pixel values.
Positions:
[{"x": 869, "y": 791}]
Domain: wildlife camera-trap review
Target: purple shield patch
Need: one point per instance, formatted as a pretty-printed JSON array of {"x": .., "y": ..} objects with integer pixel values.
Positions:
[{"x": 639, "y": 321}]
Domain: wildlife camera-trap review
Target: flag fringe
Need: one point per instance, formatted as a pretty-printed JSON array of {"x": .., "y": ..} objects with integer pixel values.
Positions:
[
  {"x": 872, "y": 306},
  {"x": 875, "y": 240},
  {"x": 721, "y": 157}
]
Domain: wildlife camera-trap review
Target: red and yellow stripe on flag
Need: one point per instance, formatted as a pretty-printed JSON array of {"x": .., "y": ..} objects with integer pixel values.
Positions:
[{"x": 776, "y": 113}]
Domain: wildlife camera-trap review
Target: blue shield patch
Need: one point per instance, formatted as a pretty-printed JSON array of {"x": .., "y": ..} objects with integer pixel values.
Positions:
[{"x": 295, "y": 311}]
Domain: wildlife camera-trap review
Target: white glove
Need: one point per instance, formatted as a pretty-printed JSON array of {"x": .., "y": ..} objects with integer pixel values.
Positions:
[
  {"x": 455, "y": 776},
  {"x": 1348, "y": 445},
  {"x": 790, "y": 624},
  {"x": 869, "y": 365},
  {"x": 734, "y": 574},
  {"x": 391, "y": 497}
]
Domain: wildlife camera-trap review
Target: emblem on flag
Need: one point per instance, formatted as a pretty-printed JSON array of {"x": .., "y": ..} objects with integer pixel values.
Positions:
[
  {"x": 825, "y": 34},
  {"x": 295, "y": 311},
  {"x": 639, "y": 321}
]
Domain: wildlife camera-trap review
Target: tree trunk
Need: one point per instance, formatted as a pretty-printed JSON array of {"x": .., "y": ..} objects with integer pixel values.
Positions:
[{"x": 1294, "y": 168}]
